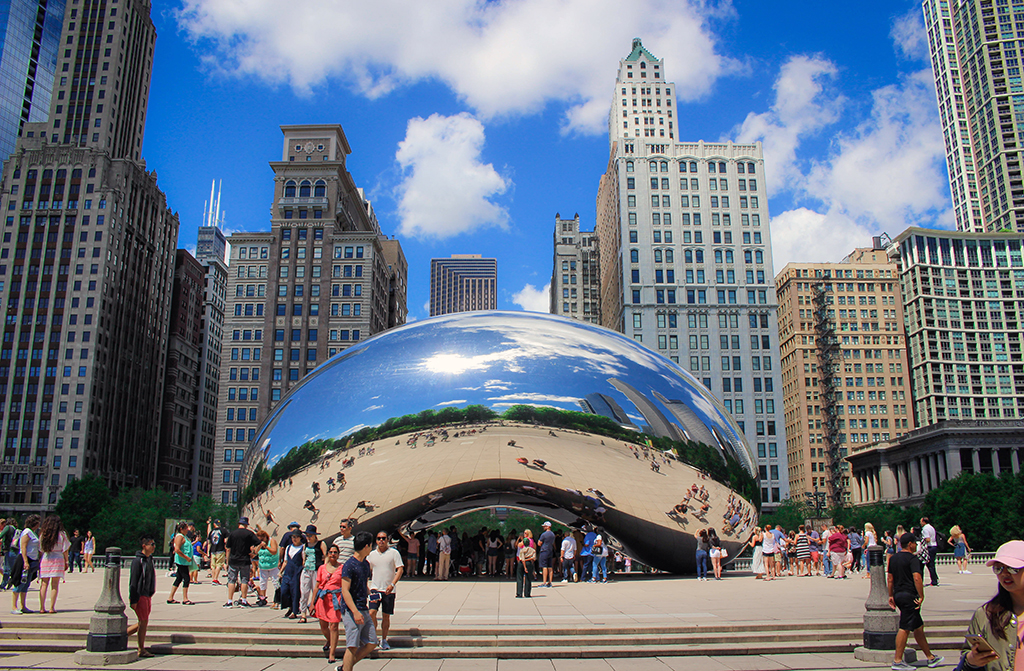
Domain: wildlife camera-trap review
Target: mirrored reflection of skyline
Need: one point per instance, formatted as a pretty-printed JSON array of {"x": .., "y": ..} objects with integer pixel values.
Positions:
[{"x": 498, "y": 360}]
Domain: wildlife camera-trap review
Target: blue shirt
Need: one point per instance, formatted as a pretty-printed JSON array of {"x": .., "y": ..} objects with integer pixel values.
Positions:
[
  {"x": 358, "y": 572},
  {"x": 855, "y": 540},
  {"x": 588, "y": 542}
]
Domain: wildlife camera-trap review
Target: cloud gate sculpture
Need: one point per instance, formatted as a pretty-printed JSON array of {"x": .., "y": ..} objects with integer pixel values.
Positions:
[{"x": 509, "y": 409}]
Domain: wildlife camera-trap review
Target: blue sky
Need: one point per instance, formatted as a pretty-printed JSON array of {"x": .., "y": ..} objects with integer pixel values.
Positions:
[{"x": 472, "y": 123}]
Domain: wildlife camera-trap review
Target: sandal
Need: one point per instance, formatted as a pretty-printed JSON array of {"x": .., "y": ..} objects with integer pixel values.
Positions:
[
  {"x": 302, "y": 620},
  {"x": 172, "y": 601},
  {"x": 188, "y": 603}
]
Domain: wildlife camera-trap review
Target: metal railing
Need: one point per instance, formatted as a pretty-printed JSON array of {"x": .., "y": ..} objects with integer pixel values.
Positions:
[{"x": 944, "y": 559}]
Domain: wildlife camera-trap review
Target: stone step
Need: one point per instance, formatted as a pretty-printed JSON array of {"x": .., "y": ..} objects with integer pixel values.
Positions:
[{"x": 484, "y": 647}]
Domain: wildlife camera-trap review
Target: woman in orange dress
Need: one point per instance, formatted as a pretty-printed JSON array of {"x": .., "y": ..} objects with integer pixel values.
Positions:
[{"x": 328, "y": 594}]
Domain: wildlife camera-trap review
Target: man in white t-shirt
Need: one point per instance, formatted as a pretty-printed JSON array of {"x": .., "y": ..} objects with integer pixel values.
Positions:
[
  {"x": 929, "y": 537},
  {"x": 568, "y": 558},
  {"x": 387, "y": 567}
]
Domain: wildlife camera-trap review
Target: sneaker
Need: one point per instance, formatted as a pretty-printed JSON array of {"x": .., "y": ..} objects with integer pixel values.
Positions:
[
  {"x": 216, "y": 582},
  {"x": 968, "y": 572},
  {"x": 15, "y": 612},
  {"x": 902, "y": 666},
  {"x": 384, "y": 645},
  {"x": 27, "y": 611},
  {"x": 227, "y": 605},
  {"x": 245, "y": 604},
  {"x": 935, "y": 661}
]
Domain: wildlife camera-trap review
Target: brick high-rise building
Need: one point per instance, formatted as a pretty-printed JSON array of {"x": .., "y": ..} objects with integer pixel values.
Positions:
[
  {"x": 323, "y": 278},
  {"x": 845, "y": 375},
  {"x": 88, "y": 262},
  {"x": 576, "y": 272},
  {"x": 686, "y": 264}
]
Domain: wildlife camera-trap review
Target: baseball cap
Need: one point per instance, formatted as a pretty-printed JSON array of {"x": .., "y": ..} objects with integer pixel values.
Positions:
[
  {"x": 546, "y": 524},
  {"x": 244, "y": 521},
  {"x": 1009, "y": 554},
  {"x": 294, "y": 524},
  {"x": 907, "y": 538}
]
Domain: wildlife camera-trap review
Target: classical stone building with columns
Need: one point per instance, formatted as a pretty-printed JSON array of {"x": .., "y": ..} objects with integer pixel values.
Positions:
[{"x": 904, "y": 470}]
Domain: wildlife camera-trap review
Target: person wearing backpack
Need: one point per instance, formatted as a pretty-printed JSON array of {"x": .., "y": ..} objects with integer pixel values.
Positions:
[
  {"x": 600, "y": 555},
  {"x": 9, "y": 542}
]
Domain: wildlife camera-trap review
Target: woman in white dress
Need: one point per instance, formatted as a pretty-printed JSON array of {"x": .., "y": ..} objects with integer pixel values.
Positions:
[{"x": 757, "y": 562}]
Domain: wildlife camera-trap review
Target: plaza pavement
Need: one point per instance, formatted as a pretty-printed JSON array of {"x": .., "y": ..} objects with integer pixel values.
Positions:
[{"x": 632, "y": 601}]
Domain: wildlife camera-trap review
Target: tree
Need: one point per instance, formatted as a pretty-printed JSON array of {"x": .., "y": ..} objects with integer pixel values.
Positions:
[
  {"x": 81, "y": 501},
  {"x": 790, "y": 513},
  {"x": 135, "y": 512},
  {"x": 987, "y": 508}
]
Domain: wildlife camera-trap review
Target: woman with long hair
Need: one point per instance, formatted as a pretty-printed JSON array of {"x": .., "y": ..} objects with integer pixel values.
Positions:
[
  {"x": 701, "y": 555},
  {"x": 1000, "y": 620},
  {"x": 54, "y": 544},
  {"x": 494, "y": 545},
  {"x": 757, "y": 562},
  {"x": 870, "y": 541},
  {"x": 716, "y": 553},
  {"x": 181, "y": 551},
  {"x": 510, "y": 555},
  {"x": 270, "y": 572},
  {"x": 329, "y": 602},
  {"x": 961, "y": 550},
  {"x": 89, "y": 549}
]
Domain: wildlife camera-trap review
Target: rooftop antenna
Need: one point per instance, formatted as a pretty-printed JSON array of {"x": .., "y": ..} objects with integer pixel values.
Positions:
[{"x": 212, "y": 216}]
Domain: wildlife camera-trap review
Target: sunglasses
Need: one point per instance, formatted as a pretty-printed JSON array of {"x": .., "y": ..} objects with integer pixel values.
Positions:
[
  {"x": 382, "y": 538},
  {"x": 999, "y": 568}
]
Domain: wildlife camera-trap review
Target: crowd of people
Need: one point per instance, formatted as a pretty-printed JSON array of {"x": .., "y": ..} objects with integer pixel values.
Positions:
[{"x": 41, "y": 549}]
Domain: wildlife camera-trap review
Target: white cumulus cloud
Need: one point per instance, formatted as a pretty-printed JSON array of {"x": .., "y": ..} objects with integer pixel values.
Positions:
[
  {"x": 909, "y": 36},
  {"x": 446, "y": 189},
  {"x": 806, "y": 236},
  {"x": 500, "y": 57},
  {"x": 532, "y": 299},
  {"x": 804, "y": 104}
]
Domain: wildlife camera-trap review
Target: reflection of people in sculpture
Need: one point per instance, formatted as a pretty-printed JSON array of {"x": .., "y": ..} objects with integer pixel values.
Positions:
[
  {"x": 308, "y": 505},
  {"x": 523, "y": 460},
  {"x": 540, "y": 463},
  {"x": 512, "y": 443},
  {"x": 269, "y": 516},
  {"x": 341, "y": 481}
]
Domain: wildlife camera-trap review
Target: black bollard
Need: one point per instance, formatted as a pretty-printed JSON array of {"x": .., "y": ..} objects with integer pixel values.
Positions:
[{"x": 107, "y": 642}]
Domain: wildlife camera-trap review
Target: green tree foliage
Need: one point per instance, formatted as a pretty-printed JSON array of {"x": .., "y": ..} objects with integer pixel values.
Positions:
[
  {"x": 791, "y": 513},
  {"x": 81, "y": 501},
  {"x": 990, "y": 510},
  {"x": 119, "y": 521}
]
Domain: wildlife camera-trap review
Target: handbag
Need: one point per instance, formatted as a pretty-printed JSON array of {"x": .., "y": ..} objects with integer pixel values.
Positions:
[{"x": 725, "y": 553}]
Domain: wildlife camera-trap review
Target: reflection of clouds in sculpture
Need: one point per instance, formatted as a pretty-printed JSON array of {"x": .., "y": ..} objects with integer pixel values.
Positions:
[
  {"x": 488, "y": 358},
  {"x": 534, "y": 398}
]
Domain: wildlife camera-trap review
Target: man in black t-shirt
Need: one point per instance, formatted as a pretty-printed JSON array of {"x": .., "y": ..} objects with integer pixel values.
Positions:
[
  {"x": 216, "y": 536},
  {"x": 239, "y": 546},
  {"x": 75, "y": 552},
  {"x": 906, "y": 592},
  {"x": 360, "y": 634}
]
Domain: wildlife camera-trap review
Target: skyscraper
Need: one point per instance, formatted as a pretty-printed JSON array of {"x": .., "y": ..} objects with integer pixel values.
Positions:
[
  {"x": 462, "y": 283},
  {"x": 844, "y": 363},
  {"x": 686, "y": 262},
  {"x": 575, "y": 273},
  {"x": 88, "y": 261},
  {"x": 961, "y": 295},
  {"x": 323, "y": 278},
  {"x": 29, "y": 40},
  {"x": 975, "y": 52}
]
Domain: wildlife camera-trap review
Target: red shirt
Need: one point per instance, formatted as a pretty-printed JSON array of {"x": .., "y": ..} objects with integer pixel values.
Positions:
[{"x": 837, "y": 542}]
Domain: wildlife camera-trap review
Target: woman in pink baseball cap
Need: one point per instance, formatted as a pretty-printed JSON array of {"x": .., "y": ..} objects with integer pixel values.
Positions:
[{"x": 998, "y": 622}]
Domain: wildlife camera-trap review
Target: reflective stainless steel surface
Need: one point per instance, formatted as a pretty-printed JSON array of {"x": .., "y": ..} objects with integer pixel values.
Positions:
[{"x": 517, "y": 409}]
